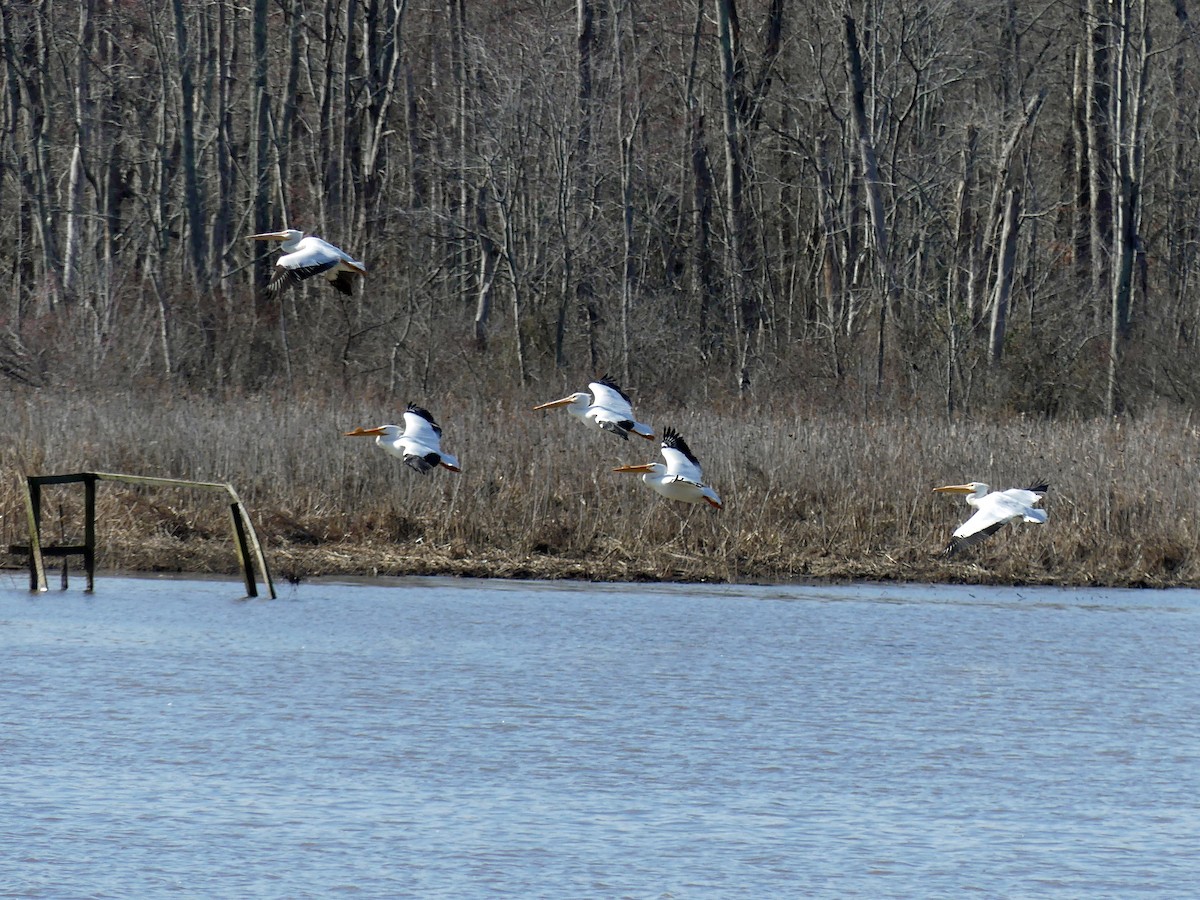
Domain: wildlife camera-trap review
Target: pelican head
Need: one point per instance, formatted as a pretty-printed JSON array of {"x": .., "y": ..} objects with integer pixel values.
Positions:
[
  {"x": 288, "y": 236},
  {"x": 978, "y": 488},
  {"x": 578, "y": 399}
]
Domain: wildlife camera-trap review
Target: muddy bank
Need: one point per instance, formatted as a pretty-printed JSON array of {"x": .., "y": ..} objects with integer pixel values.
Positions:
[{"x": 298, "y": 562}]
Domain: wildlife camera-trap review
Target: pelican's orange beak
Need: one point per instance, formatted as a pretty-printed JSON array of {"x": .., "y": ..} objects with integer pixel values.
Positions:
[
  {"x": 553, "y": 403},
  {"x": 269, "y": 236},
  {"x": 640, "y": 467},
  {"x": 364, "y": 432},
  {"x": 955, "y": 489}
]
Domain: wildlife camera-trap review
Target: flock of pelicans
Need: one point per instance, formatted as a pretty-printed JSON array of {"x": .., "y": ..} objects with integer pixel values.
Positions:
[{"x": 606, "y": 407}]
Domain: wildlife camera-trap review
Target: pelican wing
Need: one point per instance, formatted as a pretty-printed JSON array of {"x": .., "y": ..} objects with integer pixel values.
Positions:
[
  {"x": 681, "y": 462},
  {"x": 968, "y": 535},
  {"x": 612, "y": 411},
  {"x": 290, "y": 276},
  {"x": 1022, "y": 499},
  {"x": 422, "y": 442},
  {"x": 992, "y": 513},
  {"x": 313, "y": 256},
  {"x": 421, "y": 464},
  {"x": 420, "y": 428},
  {"x": 322, "y": 249},
  {"x": 607, "y": 396}
]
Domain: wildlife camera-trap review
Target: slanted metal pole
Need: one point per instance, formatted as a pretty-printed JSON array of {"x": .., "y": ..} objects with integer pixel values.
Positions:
[
  {"x": 33, "y": 511},
  {"x": 89, "y": 530},
  {"x": 252, "y": 537},
  {"x": 243, "y": 552}
]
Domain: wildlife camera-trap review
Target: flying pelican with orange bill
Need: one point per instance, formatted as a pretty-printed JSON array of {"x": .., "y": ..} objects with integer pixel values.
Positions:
[
  {"x": 303, "y": 257},
  {"x": 680, "y": 477},
  {"x": 993, "y": 510},
  {"x": 607, "y": 407},
  {"x": 419, "y": 443}
]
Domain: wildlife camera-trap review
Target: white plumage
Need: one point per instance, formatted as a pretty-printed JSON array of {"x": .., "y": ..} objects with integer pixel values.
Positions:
[
  {"x": 303, "y": 257},
  {"x": 607, "y": 407},
  {"x": 680, "y": 477},
  {"x": 993, "y": 511},
  {"x": 419, "y": 444}
]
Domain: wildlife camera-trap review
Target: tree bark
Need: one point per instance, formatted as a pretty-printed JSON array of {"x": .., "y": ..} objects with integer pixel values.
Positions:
[
  {"x": 1098, "y": 73},
  {"x": 1005, "y": 260},
  {"x": 1130, "y": 69},
  {"x": 1004, "y": 167},
  {"x": 83, "y": 139},
  {"x": 193, "y": 206},
  {"x": 628, "y": 117},
  {"x": 488, "y": 253},
  {"x": 583, "y": 220},
  {"x": 260, "y": 135},
  {"x": 737, "y": 225},
  {"x": 871, "y": 180}
]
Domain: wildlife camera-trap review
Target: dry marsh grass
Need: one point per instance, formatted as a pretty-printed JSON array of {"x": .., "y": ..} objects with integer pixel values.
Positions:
[{"x": 837, "y": 496}]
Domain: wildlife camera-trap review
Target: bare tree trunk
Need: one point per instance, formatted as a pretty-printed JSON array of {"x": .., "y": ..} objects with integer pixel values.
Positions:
[
  {"x": 704, "y": 269},
  {"x": 461, "y": 200},
  {"x": 287, "y": 105},
  {"x": 831, "y": 275},
  {"x": 487, "y": 271},
  {"x": 1081, "y": 240},
  {"x": 83, "y": 141},
  {"x": 348, "y": 120},
  {"x": 511, "y": 259},
  {"x": 385, "y": 66},
  {"x": 866, "y": 146},
  {"x": 1006, "y": 258},
  {"x": 1097, "y": 29},
  {"x": 852, "y": 252},
  {"x": 745, "y": 310},
  {"x": 1130, "y": 71},
  {"x": 193, "y": 208},
  {"x": 227, "y": 183},
  {"x": 627, "y": 127},
  {"x": 418, "y": 181},
  {"x": 1181, "y": 227},
  {"x": 1004, "y": 166},
  {"x": 961, "y": 282},
  {"x": 585, "y": 208},
  {"x": 260, "y": 135},
  {"x": 32, "y": 71},
  {"x": 966, "y": 235}
]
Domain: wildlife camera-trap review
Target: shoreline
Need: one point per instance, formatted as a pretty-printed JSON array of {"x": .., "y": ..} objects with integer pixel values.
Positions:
[{"x": 295, "y": 564}]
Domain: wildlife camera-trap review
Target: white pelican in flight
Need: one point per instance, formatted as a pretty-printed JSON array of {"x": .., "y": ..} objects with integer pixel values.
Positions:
[
  {"x": 993, "y": 511},
  {"x": 303, "y": 257},
  {"x": 607, "y": 407},
  {"x": 680, "y": 478},
  {"x": 419, "y": 444}
]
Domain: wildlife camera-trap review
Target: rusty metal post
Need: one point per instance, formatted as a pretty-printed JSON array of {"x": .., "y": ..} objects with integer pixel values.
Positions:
[
  {"x": 89, "y": 530},
  {"x": 243, "y": 552},
  {"x": 33, "y": 511}
]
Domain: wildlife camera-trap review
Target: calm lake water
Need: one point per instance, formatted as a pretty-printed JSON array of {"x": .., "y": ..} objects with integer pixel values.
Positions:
[{"x": 456, "y": 738}]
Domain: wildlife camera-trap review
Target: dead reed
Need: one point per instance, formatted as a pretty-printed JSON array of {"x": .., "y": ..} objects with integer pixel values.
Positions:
[{"x": 838, "y": 496}]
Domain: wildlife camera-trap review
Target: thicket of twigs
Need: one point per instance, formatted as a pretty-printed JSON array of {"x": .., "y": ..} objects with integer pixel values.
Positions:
[
  {"x": 988, "y": 207},
  {"x": 807, "y": 495}
]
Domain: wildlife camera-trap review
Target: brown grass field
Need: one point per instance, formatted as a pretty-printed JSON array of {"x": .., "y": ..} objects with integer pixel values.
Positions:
[{"x": 806, "y": 497}]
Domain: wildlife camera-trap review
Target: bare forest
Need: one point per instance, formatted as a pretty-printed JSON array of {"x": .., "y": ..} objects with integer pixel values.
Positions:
[{"x": 770, "y": 211}]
